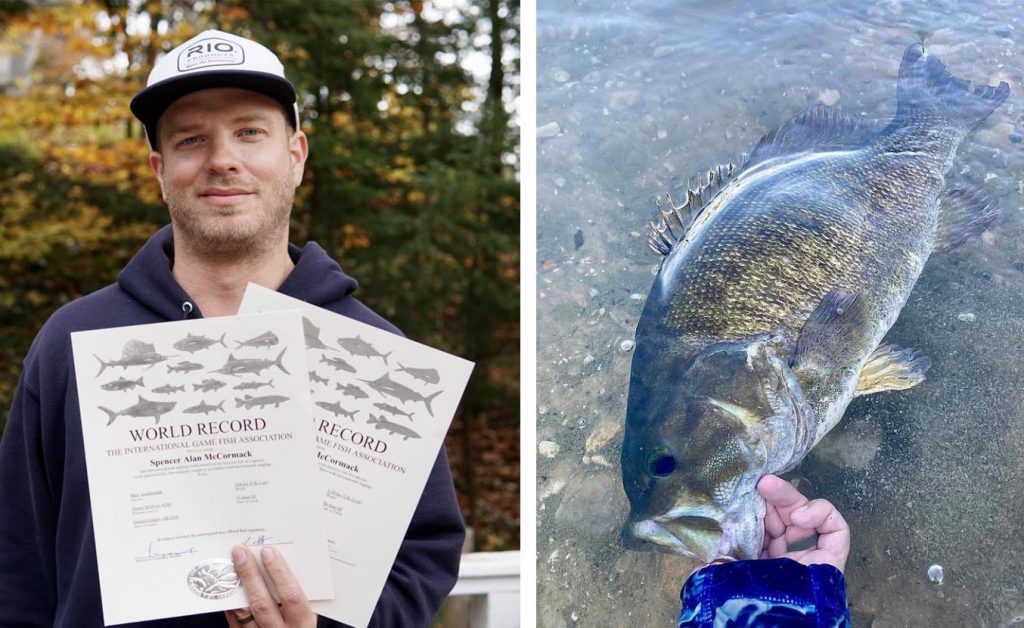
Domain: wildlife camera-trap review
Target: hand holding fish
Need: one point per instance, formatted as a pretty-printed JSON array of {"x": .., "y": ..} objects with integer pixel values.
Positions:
[
  {"x": 790, "y": 517},
  {"x": 263, "y": 612}
]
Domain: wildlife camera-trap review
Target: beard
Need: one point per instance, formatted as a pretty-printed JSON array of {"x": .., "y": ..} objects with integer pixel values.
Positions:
[{"x": 244, "y": 231}]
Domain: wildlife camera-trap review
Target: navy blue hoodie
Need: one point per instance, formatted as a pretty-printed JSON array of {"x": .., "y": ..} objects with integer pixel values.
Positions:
[{"x": 48, "y": 572}]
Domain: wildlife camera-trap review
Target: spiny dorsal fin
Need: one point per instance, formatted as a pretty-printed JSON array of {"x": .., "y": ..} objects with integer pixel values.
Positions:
[
  {"x": 820, "y": 128},
  {"x": 662, "y": 237}
]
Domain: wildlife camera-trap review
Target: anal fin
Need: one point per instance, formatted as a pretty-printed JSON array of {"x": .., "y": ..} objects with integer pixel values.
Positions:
[
  {"x": 892, "y": 368},
  {"x": 964, "y": 212}
]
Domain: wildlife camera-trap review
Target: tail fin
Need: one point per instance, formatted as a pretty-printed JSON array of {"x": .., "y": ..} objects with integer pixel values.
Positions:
[
  {"x": 111, "y": 414},
  {"x": 277, "y": 362},
  {"x": 221, "y": 341},
  {"x": 103, "y": 365},
  {"x": 428, "y": 399},
  {"x": 220, "y": 406},
  {"x": 925, "y": 86},
  {"x": 385, "y": 356},
  {"x": 239, "y": 402}
]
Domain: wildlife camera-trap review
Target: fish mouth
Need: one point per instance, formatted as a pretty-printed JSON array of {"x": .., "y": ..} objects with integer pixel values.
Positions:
[{"x": 695, "y": 536}]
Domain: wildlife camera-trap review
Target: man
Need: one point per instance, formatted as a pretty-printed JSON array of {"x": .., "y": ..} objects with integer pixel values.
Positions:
[{"x": 228, "y": 152}]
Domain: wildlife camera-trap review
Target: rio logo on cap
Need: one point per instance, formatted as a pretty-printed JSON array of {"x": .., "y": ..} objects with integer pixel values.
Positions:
[{"x": 210, "y": 52}]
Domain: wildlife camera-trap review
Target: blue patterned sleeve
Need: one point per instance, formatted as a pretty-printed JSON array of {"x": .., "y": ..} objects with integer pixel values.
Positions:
[{"x": 778, "y": 592}]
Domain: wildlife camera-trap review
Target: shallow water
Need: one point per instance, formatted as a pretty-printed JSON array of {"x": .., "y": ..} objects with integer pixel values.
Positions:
[{"x": 635, "y": 97}]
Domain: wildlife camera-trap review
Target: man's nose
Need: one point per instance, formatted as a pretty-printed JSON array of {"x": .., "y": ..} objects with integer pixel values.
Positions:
[{"x": 223, "y": 156}]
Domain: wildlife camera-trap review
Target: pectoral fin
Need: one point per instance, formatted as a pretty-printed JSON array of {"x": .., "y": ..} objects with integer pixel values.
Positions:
[
  {"x": 834, "y": 334},
  {"x": 892, "y": 368},
  {"x": 964, "y": 212}
]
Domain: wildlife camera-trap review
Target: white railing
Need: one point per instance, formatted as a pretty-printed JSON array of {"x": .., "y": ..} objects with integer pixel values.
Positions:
[{"x": 490, "y": 583}]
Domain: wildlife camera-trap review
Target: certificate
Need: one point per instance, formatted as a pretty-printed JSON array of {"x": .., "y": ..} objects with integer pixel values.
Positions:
[
  {"x": 381, "y": 406},
  {"x": 197, "y": 438}
]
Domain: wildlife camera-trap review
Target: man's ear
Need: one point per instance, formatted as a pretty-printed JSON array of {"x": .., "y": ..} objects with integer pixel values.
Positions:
[
  {"x": 298, "y": 146},
  {"x": 156, "y": 164}
]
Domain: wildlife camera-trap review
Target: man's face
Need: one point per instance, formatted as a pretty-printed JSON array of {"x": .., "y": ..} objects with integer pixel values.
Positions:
[{"x": 228, "y": 167}]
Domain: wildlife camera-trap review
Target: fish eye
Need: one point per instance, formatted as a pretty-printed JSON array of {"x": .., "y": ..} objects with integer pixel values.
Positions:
[{"x": 661, "y": 464}]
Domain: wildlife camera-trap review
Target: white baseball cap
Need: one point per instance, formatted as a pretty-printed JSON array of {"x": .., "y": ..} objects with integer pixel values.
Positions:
[{"x": 212, "y": 59}]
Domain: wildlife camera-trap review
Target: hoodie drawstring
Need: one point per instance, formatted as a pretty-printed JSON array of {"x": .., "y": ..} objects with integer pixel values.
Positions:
[{"x": 186, "y": 309}]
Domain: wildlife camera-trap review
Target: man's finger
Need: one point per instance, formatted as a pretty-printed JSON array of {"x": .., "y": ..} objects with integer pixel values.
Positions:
[
  {"x": 235, "y": 618},
  {"x": 262, "y": 605},
  {"x": 777, "y": 547},
  {"x": 817, "y": 515},
  {"x": 781, "y": 494},
  {"x": 294, "y": 605},
  {"x": 834, "y": 539},
  {"x": 773, "y": 525}
]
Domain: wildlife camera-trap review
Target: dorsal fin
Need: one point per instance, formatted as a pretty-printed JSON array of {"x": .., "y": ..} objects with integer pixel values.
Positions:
[
  {"x": 820, "y": 128},
  {"x": 662, "y": 237}
]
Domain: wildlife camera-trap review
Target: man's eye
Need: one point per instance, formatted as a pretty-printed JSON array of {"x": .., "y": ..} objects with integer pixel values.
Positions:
[
  {"x": 251, "y": 132},
  {"x": 188, "y": 141}
]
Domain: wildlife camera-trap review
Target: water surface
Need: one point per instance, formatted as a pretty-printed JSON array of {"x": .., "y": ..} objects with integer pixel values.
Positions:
[{"x": 634, "y": 98}]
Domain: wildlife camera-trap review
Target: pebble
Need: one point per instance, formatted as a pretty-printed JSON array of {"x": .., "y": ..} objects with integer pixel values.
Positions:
[
  {"x": 601, "y": 436},
  {"x": 636, "y": 296},
  {"x": 829, "y": 97},
  {"x": 550, "y": 129},
  {"x": 626, "y": 345},
  {"x": 935, "y": 574},
  {"x": 548, "y": 448},
  {"x": 966, "y": 317},
  {"x": 560, "y": 75},
  {"x": 1017, "y": 136},
  {"x": 588, "y": 360}
]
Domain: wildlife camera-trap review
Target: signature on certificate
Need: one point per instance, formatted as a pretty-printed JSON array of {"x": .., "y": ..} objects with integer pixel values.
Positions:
[
  {"x": 157, "y": 551},
  {"x": 260, "y": 539}
]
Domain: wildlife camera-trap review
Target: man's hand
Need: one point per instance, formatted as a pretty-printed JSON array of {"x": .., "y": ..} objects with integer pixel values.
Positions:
[
  {"x": 790, "y": 517},
  {"x": 263, "y": 611}
]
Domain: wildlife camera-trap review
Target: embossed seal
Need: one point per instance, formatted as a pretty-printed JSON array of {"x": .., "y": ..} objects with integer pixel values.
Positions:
[{"x": 213, "y": 579}]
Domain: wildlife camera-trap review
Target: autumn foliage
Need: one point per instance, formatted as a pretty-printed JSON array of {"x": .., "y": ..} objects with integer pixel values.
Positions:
[{"x": 411, "y": 182}]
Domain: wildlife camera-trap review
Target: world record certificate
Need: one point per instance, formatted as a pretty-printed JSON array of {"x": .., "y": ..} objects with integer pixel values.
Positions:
[{"x": 197, "y": 438}]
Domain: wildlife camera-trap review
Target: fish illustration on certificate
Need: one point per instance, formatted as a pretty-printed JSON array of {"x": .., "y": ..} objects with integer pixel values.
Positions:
[
  {"x": 197, "y": 439},
  {"x": 381, "y": 407}
]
